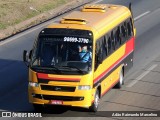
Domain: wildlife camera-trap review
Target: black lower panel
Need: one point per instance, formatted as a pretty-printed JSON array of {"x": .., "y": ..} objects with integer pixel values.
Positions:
[
  {"x": 54, "y": 97},
  {"x": 128, "y": 63}
]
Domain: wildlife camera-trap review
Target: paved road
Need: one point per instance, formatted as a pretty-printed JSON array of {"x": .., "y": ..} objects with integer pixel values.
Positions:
[{"x": 142, "y": 83}]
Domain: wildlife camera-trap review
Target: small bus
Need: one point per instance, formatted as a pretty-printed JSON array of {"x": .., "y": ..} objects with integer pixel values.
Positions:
[{"x": 80, "y": 57}]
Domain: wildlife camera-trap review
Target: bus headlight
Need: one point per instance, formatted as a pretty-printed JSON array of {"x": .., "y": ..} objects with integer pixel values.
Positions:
[
  {"x": 33, "y": 84},
  {"x": 84, "y": 87}
]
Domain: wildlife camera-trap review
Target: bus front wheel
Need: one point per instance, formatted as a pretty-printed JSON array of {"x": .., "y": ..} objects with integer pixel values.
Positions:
[{"x": 95, "y": 104}]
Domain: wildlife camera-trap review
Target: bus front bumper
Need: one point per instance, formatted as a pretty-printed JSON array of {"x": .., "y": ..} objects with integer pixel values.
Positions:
[{"x": 79, "y": 98}]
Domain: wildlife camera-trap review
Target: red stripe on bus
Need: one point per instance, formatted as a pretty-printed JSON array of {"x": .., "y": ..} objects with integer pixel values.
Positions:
[
  {"x": 42, "y": 76},
  {"x": 129, "y": 49},
  {"x": 45, "y": 76},
  {"x": 129, "y": 45}
]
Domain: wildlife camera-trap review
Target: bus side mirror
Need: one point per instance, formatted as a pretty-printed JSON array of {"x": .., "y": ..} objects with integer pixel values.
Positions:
[{"x": 25, "y": 58}]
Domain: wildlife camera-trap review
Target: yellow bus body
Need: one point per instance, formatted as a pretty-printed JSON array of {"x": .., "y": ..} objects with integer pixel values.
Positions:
[{"x": 100, "y": 22}]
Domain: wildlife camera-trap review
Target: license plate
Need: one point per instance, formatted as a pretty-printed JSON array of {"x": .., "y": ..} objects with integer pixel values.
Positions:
[{"x": 56, "y": 102}]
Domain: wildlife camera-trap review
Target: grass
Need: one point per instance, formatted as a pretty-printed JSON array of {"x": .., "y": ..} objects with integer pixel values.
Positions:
[
  {"x": 15, "y": 11},
  {"x": 2, "y": 25}
]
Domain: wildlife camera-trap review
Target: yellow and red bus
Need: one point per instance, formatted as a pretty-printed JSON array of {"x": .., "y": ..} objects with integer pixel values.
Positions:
[{"x": 80, "y": 57}]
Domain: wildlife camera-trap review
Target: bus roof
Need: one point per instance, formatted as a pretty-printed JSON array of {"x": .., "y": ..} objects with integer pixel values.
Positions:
[{"x": 98, "y": 18}]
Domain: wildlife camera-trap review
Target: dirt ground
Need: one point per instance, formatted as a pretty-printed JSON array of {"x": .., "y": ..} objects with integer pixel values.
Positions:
[
  {"x": 15, "y": 11},
  {"x": 17, "y": 15}
]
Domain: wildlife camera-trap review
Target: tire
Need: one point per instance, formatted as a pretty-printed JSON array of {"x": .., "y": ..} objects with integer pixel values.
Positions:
[
  {"x": 95, "y": 104},
  {"x": 38, "y": 107},
  {"x": 121, "y": 80}
]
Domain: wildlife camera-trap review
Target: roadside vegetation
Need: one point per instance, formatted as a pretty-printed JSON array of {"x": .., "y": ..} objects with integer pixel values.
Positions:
[{"x": 15, "y": 11}]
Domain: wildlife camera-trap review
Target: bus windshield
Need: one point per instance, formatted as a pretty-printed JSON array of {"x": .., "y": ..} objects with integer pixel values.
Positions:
[{"x": 63, "y": 53}]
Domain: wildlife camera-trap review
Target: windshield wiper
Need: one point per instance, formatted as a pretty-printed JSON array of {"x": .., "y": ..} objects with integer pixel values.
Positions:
[
  {"x": 50, "y": 68},
  {"x": 79, "y": 70}
]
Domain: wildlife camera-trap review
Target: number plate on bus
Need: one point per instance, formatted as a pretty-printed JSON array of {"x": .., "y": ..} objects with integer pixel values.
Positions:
[{"x": 56, "y": 102}]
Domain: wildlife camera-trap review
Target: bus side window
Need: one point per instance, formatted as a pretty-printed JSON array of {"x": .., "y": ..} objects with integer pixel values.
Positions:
[
  {"x": 117, "y": 37},
  {"x": 126, "y": 30},
  {"x": 129, "y": 27},
  {"x": 96, "y": 55},
  {"x": 131, "y": 23},
  {"x": 123, "y": 33},
  {"x": 109, "y": 45},
  {"x": 99, "y": 56},
  {"x": 113, "y": 41},
  {"x": 105, "y": 45},
  {"x": 97, "y": 47}
]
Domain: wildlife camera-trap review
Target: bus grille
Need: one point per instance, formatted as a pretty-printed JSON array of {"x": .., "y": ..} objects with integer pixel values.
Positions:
[
  {"x": 58, "y": 88},
  {"x": 53, "y": 97}
]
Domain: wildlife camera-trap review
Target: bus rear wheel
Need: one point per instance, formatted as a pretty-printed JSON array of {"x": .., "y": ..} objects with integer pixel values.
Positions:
[
  {"x": 121, "y": 80},
  {"x": 95, "y": 104}
]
